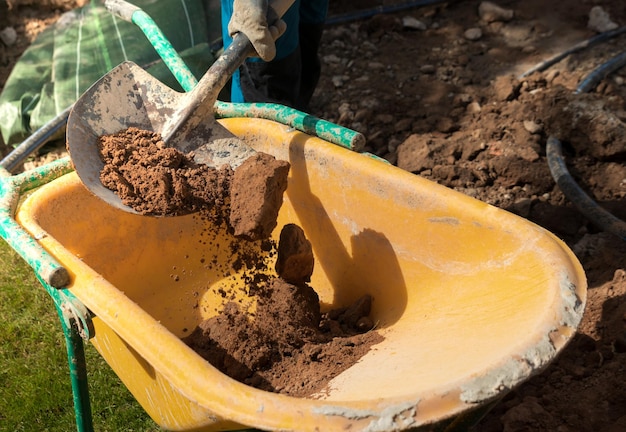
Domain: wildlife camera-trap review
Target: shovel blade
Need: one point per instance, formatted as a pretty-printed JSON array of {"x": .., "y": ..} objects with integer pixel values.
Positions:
[{"x": 125, "y": 97}]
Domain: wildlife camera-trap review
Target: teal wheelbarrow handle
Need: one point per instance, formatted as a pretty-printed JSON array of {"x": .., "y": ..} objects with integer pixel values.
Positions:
[{"x": 163, "y": 47}]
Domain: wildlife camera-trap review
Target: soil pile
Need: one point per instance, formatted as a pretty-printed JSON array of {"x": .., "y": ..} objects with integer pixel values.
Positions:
[
  {"x": 157, "y": 180},
  {"x": 286, "y": 345}
]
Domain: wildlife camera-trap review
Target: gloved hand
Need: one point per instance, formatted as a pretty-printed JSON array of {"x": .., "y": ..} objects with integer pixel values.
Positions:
[{"x": 260, "y": 23}]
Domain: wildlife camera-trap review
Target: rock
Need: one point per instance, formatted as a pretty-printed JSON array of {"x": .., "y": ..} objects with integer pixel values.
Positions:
[
  {"x": 473, "y": 34},
  {"x": 403, "y": 124},
  {"x": 331, "y": 59},
  {"x": 506, "y": 88},
  {"x": 471, "y": 148},
  {"x": 295, "y": 256},
  {"x": 462, "y": 99},
  {"x": 375, "y": 66},
  {"x": 363, "y": 114},
  {"x": 522, "y": 207},
  {"x": 345, "y": 113},
  {"x": 8, "y": 36},
  {"x": 600, "y": 21},
  {"x": 408, "y": 22},
  {"x": 526, "y": 415},
  {"x": 427, "y": 69},
  {"x": 446, "y": 125},
  {"x": 338, "y": 80},
  {"x": 490, "y": 12},
  {"x": 393, "y": 144},
  {"x": 474, "y": 107},
  {"x": 517, "y": 35},
  {"x": 532, "y": 127}
]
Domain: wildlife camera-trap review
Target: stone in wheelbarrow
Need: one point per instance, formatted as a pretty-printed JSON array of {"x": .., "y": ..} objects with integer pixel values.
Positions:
[{"x": 157, "y": 180}]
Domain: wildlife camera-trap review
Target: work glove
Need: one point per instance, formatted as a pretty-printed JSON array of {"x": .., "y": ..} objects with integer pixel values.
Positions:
[{"x": 260, "y": 23}]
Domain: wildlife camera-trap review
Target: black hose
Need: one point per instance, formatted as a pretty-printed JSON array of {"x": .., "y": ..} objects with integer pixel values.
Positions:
[
  {"x": 587, "y": 206},
  {"x": 578, "y": 47},
  {"x": 35, "y": 141},
  {"x": 601, "y": 72},
  {"x": 368, "y": 13}
]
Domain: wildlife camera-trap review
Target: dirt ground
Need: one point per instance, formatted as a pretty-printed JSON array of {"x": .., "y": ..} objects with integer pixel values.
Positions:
[{"x": 436, "y": 90}]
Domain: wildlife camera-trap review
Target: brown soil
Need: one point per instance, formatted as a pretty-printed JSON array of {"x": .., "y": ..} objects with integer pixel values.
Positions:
[
  {"x": 286, "y": 344},
  {"x": 450, "y": 106},
  {"x": 157, "y": 180},
  {"x": 154, "y": 179}
]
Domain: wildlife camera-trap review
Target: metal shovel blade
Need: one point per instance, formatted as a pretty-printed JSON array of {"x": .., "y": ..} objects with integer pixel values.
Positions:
[{"x": 128, "y": 96}]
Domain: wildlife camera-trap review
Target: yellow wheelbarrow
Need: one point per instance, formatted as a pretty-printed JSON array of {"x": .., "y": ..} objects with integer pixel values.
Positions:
[{"x": 471, "y": 300}]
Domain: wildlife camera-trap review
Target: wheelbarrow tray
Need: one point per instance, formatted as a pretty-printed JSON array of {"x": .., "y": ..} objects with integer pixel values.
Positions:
[{"x": 471, "y": 300}]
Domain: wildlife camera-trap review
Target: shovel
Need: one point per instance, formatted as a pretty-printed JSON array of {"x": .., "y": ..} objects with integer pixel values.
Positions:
[{"x": 128, "y": 96}]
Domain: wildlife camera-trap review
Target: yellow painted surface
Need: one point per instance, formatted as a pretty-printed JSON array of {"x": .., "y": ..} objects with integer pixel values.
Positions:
[{"x": 466, "y": 295}]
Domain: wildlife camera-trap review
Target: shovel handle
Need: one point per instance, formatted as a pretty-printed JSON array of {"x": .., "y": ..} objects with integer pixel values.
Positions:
[{"x": 163, "y": 47}]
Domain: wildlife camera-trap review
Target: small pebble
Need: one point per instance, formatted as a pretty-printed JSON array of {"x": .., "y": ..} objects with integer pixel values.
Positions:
[
  {"x": 8, "y": 36},
  {"x": 532, "y": 127},
  {"x": 408, "y": 22},
  {"x": 427, "y": 69},
  {"x": 491, "y": 12},
  {"x": 473, "y": 34},
  {"x": 600, "y": 21}
]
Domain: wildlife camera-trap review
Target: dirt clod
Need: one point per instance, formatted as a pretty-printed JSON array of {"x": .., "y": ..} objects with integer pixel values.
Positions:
[
  {"x": 257, "y": 195},
  {"x": 295, "y": 255}
]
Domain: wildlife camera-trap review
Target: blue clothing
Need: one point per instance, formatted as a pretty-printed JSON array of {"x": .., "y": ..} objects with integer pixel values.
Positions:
[{"x": 303, "y": 14}]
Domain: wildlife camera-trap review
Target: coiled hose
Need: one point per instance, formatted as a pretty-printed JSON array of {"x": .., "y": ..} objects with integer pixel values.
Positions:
[
  {"x": 554, "y": 152},
  {"x": 601, "y": 72},
  {"x": 368, "y": 13},
  {"x": 578, "y": 47},
  {"x": 585, "y": 205}
]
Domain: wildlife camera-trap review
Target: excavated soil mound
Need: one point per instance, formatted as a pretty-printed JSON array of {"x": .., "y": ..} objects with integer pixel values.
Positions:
[{"x": 286, "y": 345}]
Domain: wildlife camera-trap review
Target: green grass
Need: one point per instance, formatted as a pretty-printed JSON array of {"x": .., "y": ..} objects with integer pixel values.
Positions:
[{"x": 35, "y": 390}]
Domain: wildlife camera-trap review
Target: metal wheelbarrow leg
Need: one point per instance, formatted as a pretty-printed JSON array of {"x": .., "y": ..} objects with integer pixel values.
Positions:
[{"x": 74, "y": 317}]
